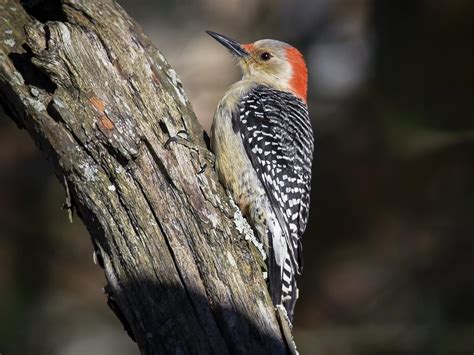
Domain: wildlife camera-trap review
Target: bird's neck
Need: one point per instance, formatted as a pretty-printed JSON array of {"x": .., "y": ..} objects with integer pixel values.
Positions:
[{"x": 296, "y": 87}]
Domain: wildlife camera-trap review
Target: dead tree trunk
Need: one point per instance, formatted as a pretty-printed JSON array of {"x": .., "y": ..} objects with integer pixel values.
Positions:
[{"x": 101, "y": 101}]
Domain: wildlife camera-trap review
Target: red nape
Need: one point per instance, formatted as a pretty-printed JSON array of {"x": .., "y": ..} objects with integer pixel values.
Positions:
[{"x": 299, "y": 80}]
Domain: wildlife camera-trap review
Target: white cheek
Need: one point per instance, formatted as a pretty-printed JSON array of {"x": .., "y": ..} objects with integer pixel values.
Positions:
[
  {"x": 253, "y": 71},
  {"x": 279, "y": 78},
  {"x": 282, "y": 74},
  {"x": 287, "y": 72}
]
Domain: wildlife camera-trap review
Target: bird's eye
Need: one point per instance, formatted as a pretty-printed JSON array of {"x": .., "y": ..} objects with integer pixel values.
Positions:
[{"x": 265, "y": 56}]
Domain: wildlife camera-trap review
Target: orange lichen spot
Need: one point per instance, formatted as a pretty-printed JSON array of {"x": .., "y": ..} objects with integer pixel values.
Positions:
[
  {"x": 299, "y": 80},
  {"x": 104, "y": 121},
  {"x": 98, "y": 104}
]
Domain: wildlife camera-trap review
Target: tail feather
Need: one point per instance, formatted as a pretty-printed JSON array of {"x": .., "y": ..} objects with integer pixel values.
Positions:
[
  {"x": 282, "y": 278},
  {"x": 275, "y": 279},
  {"x": 289, "y": 288}
]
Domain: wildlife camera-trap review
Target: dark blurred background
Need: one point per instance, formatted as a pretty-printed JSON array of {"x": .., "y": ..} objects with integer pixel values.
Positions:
[{"x": 389, "y": 251}]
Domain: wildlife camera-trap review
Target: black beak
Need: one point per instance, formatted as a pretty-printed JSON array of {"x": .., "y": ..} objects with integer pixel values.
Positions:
[{"x": 234, "y": 46}]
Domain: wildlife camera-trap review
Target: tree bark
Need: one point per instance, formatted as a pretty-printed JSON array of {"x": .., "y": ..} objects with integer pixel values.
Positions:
[{"x": 101, "y": 101}]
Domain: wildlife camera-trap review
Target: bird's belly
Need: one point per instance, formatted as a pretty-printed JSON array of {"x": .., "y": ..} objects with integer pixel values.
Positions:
[
  {"x": 233, "y": 165},
  {"x": 237, "y": 175}
]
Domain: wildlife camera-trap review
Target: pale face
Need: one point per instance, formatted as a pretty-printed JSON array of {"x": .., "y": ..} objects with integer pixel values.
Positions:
[{"x": 267, "y": 62}]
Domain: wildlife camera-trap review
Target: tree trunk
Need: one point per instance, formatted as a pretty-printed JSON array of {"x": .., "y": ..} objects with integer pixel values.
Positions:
[{"x": 101, "y": 101}]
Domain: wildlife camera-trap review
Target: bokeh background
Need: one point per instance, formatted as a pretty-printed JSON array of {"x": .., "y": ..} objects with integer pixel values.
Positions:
[{"x": 389, "y": 251}]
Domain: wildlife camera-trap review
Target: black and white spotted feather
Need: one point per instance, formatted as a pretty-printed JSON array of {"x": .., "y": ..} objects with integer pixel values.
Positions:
[{"x": 276, "y": 132}]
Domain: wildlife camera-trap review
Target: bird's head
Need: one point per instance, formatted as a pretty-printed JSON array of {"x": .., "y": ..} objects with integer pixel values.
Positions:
[{"x": 270, "y": 62}]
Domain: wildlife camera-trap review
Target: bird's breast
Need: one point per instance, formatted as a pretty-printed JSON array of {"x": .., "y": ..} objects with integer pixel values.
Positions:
[{"x": 233, "y": 166}]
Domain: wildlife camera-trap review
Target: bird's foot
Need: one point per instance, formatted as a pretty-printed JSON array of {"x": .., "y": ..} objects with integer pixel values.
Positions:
[
  {"x": 205, "y": 157},
  {"x": 181, "y": 137}
]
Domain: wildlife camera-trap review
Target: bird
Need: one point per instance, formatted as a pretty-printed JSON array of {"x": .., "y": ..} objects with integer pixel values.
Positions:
[{"x": 263, "y": 143}]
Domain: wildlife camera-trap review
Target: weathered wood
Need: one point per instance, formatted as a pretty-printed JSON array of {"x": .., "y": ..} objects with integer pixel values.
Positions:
[{"x": 101, "y": 102}]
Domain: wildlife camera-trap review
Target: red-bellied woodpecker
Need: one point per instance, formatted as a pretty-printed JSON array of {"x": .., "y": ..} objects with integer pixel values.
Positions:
[{"x": 263, "y": 142}]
